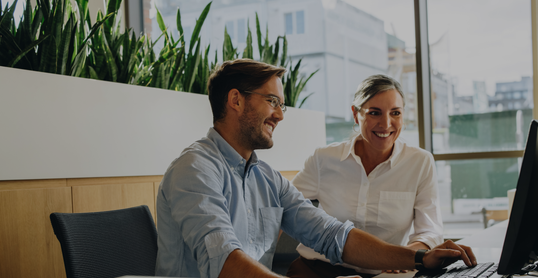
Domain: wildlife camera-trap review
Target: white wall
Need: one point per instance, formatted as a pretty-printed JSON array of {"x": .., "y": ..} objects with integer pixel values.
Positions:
[{"x": 54, "y": 126}]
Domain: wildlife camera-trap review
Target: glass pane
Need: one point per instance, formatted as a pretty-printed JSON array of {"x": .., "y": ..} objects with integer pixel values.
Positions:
[
  {"x": 481, "y": 74},
  {"x": 369, "y": 37},
  {"x": 289, "y": 23},
  {"x": 466, "y": 187},
  {"x": 352, "y": 40},
  {"x": 230, "y": 28},
  {"x": 241, "y": 30},
  {"x": 300, "y": 22}
]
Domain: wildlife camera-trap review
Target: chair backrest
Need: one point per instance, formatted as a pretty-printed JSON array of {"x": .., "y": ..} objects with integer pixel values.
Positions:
[{"x": 107, "y": 244}]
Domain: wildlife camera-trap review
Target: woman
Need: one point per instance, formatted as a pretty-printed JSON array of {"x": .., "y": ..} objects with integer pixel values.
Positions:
[{"x": 377, "y": 181}]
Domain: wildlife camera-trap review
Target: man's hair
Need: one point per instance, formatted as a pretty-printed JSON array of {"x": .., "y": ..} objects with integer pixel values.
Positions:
[{"x": 241, "y": 74}]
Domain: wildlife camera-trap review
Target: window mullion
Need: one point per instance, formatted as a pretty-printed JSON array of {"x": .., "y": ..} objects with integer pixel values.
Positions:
[
  {"x": 423, "y": 76},
  {"x": 534, "y": 28}
]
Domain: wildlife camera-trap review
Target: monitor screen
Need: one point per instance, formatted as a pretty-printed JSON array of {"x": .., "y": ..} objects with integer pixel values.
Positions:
[{"x": 520, "y": 240}]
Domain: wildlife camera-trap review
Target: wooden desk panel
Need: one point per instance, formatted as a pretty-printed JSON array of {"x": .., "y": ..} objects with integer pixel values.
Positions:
[{"x": 28, "y": 246}]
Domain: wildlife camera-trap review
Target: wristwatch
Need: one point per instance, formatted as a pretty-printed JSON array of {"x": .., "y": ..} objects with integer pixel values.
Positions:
[{"x": 419, "y": 255}]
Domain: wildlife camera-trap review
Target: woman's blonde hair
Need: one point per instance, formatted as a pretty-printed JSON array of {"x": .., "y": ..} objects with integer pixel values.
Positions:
[{"x": 373, "y": 85}]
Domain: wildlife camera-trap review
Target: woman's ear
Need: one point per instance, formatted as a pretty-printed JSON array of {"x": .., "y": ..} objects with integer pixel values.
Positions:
[{"x": 354, "y": 110}]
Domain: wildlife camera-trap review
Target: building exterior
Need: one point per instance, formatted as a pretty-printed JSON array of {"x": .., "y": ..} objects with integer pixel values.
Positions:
[
  {"x": 480, "y": 97},
  {"x": 463, "y": 105},
  {"x": 512, "y": 95},
  {"x": 343, "y": 42}
]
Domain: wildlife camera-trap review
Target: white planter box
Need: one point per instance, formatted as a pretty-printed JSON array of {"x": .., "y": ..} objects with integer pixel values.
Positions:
[{"x": 54, "y": 126}]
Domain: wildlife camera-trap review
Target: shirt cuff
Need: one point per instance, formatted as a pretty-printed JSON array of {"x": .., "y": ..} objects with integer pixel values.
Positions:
[
  {"x": 430, "y": 241},
  {"x": 219, "y": 245},
  {"x": 338, "y": 237}
]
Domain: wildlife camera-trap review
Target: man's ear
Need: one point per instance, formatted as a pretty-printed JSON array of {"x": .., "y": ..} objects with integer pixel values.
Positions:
[{"x": 236, "y": 101}]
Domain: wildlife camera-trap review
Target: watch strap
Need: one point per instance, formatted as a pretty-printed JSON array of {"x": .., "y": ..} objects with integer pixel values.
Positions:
[{"x": 419, "y": 256}]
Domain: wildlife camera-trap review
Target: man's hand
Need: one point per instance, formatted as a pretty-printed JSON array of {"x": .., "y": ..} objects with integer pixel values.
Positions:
[
  {"x": 396, "y": 271},
  {"x": 447, "y": 253}
]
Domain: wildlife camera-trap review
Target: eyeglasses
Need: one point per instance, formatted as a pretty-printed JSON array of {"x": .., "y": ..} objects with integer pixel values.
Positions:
[{"x": 275, "y": 101}]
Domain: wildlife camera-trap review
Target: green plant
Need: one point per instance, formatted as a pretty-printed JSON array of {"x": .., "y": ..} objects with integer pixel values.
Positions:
[
  {"x": 292, "y": 83},
  {"x": 53, "y": 37},
  {"x": 176, "y": 68},
  {"x": 268, "y": 54}
]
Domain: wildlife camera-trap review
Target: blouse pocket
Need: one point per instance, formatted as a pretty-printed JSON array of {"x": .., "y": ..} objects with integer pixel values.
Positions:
[
  {"x": 272, "y": 218},
  {"x": 395, "y": 210}
]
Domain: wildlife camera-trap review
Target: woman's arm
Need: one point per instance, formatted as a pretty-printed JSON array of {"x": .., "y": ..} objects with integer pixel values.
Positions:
[
  {"x": 307, "y": 180},
  {"x": 428, "y": 223}
]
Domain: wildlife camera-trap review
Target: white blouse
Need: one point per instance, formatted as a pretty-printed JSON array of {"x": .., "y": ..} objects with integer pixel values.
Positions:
[{"x": 397, "y": 194}]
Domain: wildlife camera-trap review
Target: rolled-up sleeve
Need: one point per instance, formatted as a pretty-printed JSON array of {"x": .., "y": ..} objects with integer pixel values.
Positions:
[
  {"x": 428, "y": 222},
  {"x": 311, "y": 226},
  {"x": 199, "y": 210}
]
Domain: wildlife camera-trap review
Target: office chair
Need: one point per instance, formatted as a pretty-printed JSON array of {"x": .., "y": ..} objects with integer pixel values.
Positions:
[{"x": 107, "y": 244}]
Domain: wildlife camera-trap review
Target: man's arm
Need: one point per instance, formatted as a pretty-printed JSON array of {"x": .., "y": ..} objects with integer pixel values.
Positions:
[
  {"x": 367, "y": 251},
  {"x": 239, "y": 264},
  {"x": 364, "y": 250}
]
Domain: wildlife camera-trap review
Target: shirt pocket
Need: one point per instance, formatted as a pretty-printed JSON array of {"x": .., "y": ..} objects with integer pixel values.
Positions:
[
  {"x": 395, "y": 210},
  {"x": 271, "y": 218}
]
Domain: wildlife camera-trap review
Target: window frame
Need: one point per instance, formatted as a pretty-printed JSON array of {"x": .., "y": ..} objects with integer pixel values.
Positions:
[{"x": 424, "y": 108}]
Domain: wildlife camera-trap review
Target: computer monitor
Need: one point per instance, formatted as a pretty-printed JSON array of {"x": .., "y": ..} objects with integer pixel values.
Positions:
[{"x": 520, "y": 242}]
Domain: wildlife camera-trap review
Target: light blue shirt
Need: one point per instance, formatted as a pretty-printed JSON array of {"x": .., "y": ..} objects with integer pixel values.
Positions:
[{"x": 208, "y": 205}]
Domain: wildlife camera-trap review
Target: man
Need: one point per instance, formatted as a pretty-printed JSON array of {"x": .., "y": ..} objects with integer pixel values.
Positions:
[{"x": 220, "y": 209}]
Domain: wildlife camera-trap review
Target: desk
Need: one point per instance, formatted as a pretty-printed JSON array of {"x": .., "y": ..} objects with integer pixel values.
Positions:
[
  {"x": 486, "y": 244},
  {"x": 487, "y": 247}
]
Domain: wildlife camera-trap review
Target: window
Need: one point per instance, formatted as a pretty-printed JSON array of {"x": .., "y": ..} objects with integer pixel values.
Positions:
[
  {"x": 517, "y": 95},
  {"x": 299, "y": 16},
  {"x": 299, "y": 23},
  {"x": 288, "y": 19},
  {"x": 383, "y": 42},
  {"x": 464, "y": 51},
  {"x": 230, "y": 29},
  {"x": 481, "y": 101},
  {"x": 241, "y": 30}
]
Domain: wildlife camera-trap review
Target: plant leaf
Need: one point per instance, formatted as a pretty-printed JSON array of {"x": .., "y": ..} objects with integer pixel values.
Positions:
[
  {"x": 160, "y": 20},
  {"x": 248, "y": 52},
  {"x": 198, "y": 26}
]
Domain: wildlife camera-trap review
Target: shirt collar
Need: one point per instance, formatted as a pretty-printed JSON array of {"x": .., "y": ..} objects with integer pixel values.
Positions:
[
  {"x": 349, "y": 150},
  {"x": 232, "y": 157}
]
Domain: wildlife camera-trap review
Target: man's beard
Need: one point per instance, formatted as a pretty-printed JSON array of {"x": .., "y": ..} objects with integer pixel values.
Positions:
[{"x": 251, "y": 130}]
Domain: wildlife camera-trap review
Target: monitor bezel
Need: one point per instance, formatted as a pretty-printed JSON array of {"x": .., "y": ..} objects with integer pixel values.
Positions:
[{"x": 521, "y": 234}]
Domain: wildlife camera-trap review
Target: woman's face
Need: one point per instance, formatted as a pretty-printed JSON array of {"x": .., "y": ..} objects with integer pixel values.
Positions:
[{"x": 381, "y": 120}]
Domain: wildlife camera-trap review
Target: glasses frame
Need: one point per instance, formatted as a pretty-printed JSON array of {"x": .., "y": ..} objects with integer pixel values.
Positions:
[{"x": 275, "y": 101}]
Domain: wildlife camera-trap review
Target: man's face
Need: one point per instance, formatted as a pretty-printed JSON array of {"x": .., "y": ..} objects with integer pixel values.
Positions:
[{"x": 259, "y": 119}]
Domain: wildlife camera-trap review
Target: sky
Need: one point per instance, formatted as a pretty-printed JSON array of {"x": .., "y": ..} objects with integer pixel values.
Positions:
[{"x": 485, "y": 40}]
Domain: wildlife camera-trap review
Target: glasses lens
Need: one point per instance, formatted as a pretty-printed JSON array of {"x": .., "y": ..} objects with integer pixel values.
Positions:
[{"x": 274, "y": 102}]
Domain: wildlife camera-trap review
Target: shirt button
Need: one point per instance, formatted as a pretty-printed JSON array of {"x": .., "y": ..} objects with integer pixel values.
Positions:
[
  {"x": 249, "y": 211},
  {"x": 232, "y": 168},
  {"x": 251, "y": 241},
  {"x": 241, "y": 162}
]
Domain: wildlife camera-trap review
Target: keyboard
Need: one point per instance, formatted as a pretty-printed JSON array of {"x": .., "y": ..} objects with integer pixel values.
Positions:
[{"x": 481, "y": 270}]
